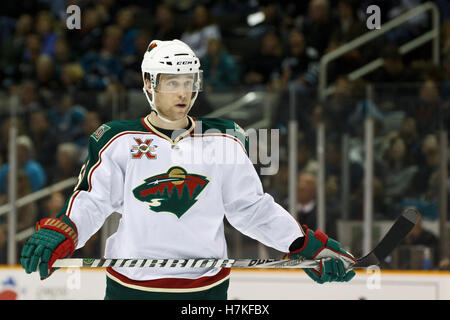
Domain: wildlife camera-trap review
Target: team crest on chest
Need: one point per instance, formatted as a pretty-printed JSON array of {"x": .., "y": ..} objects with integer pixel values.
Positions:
[
  {"x": 143, "y": 147},
  {"x": 174, "y": 191}
]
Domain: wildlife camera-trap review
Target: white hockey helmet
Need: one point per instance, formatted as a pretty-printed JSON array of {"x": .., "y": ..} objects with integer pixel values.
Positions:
[{"x": 170, "y": 57}]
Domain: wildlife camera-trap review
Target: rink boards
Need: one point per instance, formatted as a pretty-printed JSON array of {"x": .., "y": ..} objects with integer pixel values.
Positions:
[{"x": 253, "y": 284}]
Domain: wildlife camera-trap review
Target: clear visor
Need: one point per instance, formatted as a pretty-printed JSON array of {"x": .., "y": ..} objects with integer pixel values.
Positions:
[{"x": 173, "y": 83}]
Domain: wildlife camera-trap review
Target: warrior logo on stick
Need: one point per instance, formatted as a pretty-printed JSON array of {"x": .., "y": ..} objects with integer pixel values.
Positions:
[{"x": 174, "y": 191}]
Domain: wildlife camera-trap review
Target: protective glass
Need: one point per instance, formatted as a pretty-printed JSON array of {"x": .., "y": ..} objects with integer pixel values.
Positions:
[{"x": 173, "y": 83}]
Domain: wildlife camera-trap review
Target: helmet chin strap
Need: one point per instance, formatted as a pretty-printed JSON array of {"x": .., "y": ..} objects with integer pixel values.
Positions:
[{"x": 154, "y": 109}]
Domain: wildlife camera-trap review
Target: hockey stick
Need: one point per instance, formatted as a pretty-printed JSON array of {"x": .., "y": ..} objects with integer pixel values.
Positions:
[{"x": 402, "y": 226}]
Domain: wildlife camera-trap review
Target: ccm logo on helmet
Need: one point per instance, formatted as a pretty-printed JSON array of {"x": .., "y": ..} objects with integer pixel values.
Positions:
[{"x": 184, "y": 62}]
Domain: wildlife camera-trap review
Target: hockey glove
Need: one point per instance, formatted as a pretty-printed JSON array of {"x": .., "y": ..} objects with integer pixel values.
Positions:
[
  {"x": 53, "y": 239},
  {"x": 335, "y": 263}
]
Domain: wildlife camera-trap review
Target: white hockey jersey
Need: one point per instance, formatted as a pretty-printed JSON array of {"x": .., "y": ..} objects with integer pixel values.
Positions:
[{"x": 173, "y": 196}]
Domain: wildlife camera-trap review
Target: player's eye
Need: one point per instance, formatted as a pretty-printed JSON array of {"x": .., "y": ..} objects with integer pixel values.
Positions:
[{"x": 172, "y": 83}]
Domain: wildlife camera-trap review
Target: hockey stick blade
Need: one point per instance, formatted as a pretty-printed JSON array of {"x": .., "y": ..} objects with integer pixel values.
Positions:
[{"x": 401, "y": 228}]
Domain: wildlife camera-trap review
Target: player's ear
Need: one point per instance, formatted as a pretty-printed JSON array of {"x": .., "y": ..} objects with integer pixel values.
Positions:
[{"x": 148, "y": 85}]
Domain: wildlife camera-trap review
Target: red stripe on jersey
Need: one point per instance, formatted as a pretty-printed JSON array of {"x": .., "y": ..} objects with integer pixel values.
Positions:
[
  {"x": 146, "y": 126},
  {"x": 71, "y": 203},
  {"x": 172, "y": 283}
]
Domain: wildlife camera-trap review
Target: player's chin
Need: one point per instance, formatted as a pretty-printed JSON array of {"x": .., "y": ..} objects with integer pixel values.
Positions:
[{"x": 175, "y": 116}]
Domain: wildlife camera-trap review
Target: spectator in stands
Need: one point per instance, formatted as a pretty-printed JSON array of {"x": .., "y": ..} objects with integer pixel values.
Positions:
[
  {"x": 333, "y": 166},
  {"x": 263, "y": 69},
  {"x": 381, "y": 207},
  {"x": 62, "y": 54},
  {"x": 421, "y": 180},
  {"x": 393, "y": 67},
  {"x": 125, "y": 21},
  {"x": 408, "y": 132},
  {"x": 220, "y": 72},
  {"x": 347, "y": 28},
  {"x": 67, "y": 162},
  {"x": 105, "y": 66},
  {"x": 132, "y": 77},
  {"x": 45, "y": 140},
  {"x": 67, "y": 118},
  {"x": 46, "y": 79},
  {"x": 12, "y": 50},
  {"x": 392, "y": 90},
  {"x": 364, "y": 107},
  {"x": 318, "y": 25},
  {"x": 45, "y": 28},
  {"x": 341, "y": 105},
  {"x": 89, "y": 37},
  {"x": 412, "y": 28},
  {"x": 305, "y": 160},
  {"x": 29, "y": 99},
  {"x": 71, "y": 78},
  {"x": 300, "y": 66},
  {"x": 25, "y": 162},
  {"x": 397, "y": 176},
  {"x": 307, "y": 206},
  {"x": 427, "y": 108},
  {"x": 201, "y": 28},
  {"x": 166, "y": 24},
  {"x": 30, "y": 55},
  {"x": 272, "y": 19}
]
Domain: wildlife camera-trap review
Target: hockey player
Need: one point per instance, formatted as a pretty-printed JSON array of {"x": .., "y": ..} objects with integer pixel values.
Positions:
[{"x": 171, "y": 205}]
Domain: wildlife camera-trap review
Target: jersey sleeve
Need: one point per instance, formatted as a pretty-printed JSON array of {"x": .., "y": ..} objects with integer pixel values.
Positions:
[
  {"x": 252, "y": 211},
  {"x": 98, "y": 193}
]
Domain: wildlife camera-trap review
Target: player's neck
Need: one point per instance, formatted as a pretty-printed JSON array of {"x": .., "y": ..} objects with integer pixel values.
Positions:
[{"x": 158, "y": 122}]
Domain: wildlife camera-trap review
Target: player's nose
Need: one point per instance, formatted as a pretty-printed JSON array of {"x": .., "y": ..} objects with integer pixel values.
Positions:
[{"x": 182, "y": 94}]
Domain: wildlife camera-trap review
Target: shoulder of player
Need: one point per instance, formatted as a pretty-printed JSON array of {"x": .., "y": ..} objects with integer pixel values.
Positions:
[
  {"x": 226, "y": 127},
  {"x": 223, "y": 125},
  {"x": 110, "y": 130}
]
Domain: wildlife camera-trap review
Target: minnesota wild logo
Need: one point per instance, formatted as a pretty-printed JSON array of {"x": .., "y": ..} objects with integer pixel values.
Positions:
[{"x": 174, "y": 191}]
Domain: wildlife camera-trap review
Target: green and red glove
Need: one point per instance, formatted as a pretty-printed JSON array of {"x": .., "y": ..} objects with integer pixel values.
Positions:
[
  {"x": 53, "y": 239},
  {"x": 335, "y": 263}
]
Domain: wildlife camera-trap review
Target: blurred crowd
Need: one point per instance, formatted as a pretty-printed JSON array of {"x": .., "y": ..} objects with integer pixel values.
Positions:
[{"x": 64, "y": 83}]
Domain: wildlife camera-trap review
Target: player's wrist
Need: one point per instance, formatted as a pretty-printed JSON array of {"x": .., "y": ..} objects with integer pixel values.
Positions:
[
  {"x": 63, "y": 226},
  {"x": 309, "y": 245}
]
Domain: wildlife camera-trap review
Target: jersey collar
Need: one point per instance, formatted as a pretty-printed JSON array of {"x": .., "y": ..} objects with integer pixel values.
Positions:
[{"x": 146, "y": 122}]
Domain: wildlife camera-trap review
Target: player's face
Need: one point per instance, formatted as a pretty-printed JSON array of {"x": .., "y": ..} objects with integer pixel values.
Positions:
[{"x": 173, "y": 95}]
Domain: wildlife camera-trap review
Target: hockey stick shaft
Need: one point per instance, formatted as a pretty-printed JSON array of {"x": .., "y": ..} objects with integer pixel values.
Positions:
[{"x": 186, "y": 263}]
